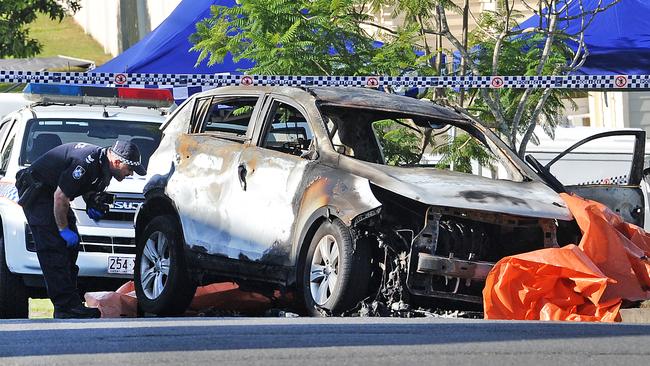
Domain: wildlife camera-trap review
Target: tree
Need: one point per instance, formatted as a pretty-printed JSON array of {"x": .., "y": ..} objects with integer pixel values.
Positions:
[
  {"x": 300, "y": 37},
  {"x": 334, "y": 37},
  {"x": 500, "y": 47},
  {"x": 17, "y": 14}
]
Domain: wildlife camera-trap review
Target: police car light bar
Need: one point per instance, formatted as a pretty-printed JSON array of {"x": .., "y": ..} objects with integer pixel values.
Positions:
[{"x": 93, "y": 95}]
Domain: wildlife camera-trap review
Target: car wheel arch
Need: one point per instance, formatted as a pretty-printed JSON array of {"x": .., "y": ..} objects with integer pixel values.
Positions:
[
  {"x": 156, "y": 204},
  {"x": 177, "y": 288},
  {"x": 315, "y": 220},
  {"x": 353, "y": 272}
]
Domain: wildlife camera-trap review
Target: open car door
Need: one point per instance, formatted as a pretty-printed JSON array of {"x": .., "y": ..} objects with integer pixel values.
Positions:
[{"x": 606, "y": 167}]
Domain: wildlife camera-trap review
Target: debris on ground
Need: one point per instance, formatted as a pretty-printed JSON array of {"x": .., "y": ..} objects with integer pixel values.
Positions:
[{"x": 279, "y": 313}]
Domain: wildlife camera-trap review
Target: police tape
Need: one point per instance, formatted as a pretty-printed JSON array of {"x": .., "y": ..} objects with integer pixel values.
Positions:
[{"x": 586, "y": 82}]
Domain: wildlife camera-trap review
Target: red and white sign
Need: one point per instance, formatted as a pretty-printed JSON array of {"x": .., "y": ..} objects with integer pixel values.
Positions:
[
  {"x": 246, "y": 80},
  {"x": 120, "y": 79},
  {"x": 620, "y": 81},
  {"x": 497, "y": 82},
  {"x": 372, "y": 82}
]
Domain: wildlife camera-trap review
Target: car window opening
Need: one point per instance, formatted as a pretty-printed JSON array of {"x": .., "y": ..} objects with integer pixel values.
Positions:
[
  {"x": 397, "y": 139},
  {"x": 287, "y": 131},
  {"x": 227, "y": 117},
  {"x": 42, "y": 135}
]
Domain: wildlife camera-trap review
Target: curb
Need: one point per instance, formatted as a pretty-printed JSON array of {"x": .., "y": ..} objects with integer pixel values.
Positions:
[{"x": 639, "y": 315}]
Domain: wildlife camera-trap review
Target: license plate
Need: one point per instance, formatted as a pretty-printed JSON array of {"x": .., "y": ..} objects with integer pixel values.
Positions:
[{"x": 121, "y": 265}]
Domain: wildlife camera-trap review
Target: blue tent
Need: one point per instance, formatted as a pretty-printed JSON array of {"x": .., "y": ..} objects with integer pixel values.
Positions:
[
  {"x": 166, "y": 48},
  {"x": 618, "y": 40}
]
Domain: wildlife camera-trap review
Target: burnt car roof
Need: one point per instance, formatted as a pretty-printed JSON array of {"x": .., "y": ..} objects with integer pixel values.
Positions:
[
  {"x": 381, "y": 101},
  {"x": 356, "y": 97}
]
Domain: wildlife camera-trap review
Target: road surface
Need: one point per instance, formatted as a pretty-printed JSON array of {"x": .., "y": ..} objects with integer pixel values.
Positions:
[{"x": 316, "y": 341}]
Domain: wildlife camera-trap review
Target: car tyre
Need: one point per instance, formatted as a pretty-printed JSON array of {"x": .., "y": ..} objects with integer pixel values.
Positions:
[
  {"x": 162, "y": 283},
  {"x": 14, "y": 302},
  {"x": 335, "y": 273}
]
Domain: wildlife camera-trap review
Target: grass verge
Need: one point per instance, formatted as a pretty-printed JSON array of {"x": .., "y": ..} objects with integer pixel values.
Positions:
[
  {"x": 66, "y": 38},
  {"x": 40, "y": 308}
]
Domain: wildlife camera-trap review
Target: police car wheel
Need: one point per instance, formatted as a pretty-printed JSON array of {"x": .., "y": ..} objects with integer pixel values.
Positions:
[
  {"x": 335, "y": 273},
  {"x": 13, "y": 294},
  {"x": 162, "y": 283}
]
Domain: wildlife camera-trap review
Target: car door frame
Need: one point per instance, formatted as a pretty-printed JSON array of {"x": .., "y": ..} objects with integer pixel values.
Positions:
[{"x": 628, "y": 200}]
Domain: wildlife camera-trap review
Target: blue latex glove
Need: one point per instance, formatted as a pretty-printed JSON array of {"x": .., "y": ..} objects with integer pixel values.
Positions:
[
  {"x": 94, "y": 214},
  {"x": 71, "y": 238}
]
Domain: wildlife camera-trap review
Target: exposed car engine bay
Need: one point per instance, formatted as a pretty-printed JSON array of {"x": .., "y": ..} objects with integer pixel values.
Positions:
[{"x": 426, "y": 252}]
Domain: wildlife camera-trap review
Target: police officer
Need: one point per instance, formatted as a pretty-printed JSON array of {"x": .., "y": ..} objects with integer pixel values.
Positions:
[{"x": 63, "y": 173}]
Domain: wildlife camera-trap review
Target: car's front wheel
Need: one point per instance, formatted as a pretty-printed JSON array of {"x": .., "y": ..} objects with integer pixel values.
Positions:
[
  {"x": 335, "y": 273},
  {"x": 162, "y": 283}
]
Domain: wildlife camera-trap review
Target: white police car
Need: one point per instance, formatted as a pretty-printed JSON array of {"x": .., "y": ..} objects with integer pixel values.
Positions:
[{"x": 62, "y": 114}]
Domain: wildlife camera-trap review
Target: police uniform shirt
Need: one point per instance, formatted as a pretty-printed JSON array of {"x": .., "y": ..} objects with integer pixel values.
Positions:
[{"x": 77, "y": 168}]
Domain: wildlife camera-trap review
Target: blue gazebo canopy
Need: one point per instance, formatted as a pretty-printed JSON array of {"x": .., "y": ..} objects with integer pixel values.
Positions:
[{"x": 618, "y": 39}]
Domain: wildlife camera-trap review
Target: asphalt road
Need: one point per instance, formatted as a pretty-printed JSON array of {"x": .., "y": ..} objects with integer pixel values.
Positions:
[{"x": 310, "y": 341}]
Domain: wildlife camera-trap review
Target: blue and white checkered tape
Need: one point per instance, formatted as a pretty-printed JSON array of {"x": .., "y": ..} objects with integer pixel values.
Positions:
[
  {"x": 184, "y": 85},
  {"x": 186, "y": 80}
]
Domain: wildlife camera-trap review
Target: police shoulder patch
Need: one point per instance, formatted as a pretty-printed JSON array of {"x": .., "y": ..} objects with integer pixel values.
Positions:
[{"x": 78, "y": 172}]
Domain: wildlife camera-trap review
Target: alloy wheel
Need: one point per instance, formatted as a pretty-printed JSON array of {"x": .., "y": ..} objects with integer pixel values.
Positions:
[
  {"x": 155, "y": 263},
  {"x": 324, "y": 270}
]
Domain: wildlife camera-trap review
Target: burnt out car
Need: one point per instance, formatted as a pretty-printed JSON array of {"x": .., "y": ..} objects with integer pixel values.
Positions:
[{"x": 286, "y": 187}]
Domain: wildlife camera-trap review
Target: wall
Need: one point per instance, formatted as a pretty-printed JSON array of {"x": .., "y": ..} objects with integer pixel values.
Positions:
[
  {"x": 639, "y": 107},
  {"x": 609, "y": 109},
  {"x": 100, "y": 20},
  {"x": 159, "y": 10},
  {"x": 118, "y": 24}
]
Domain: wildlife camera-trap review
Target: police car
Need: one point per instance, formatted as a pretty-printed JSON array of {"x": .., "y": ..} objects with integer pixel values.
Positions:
[{"x": 62, "y": 114}]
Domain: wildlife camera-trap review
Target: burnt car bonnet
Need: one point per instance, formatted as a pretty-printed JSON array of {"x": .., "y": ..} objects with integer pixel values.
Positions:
[{"x": 450, "y": 189}]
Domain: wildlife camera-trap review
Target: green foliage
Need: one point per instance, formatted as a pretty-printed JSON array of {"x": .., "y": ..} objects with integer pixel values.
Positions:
[
  {"x": 397, "y": 55},
  {"x": 461, "y": 151},
  {"x": 15, "y": 15},
  {"x": 243, "y": 110},
  {"x": 302, "y": 37},
  {"x": 401, "y": 145},
  {"x": 335, "y": 37},
  {"x": 520, "y": 55}
]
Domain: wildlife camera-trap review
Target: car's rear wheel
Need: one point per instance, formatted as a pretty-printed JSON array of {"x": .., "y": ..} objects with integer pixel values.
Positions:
[
  {"x": 162, "y": 283},
  {"x": 335, "y": 273},
  {"x": 13, "y": 294}
]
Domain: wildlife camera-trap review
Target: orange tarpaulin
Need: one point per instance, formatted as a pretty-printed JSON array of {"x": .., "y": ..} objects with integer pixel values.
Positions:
[
  {"x": 223, "y": 296},
  {"x": 581, "y": 283}
]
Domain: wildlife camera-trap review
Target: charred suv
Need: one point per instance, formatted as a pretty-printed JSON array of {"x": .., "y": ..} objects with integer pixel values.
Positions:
[{"x": 285, "y": 187}]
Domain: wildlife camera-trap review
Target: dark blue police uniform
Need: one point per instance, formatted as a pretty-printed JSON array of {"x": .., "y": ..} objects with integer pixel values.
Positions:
[{"x": 77, "y": 168}]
